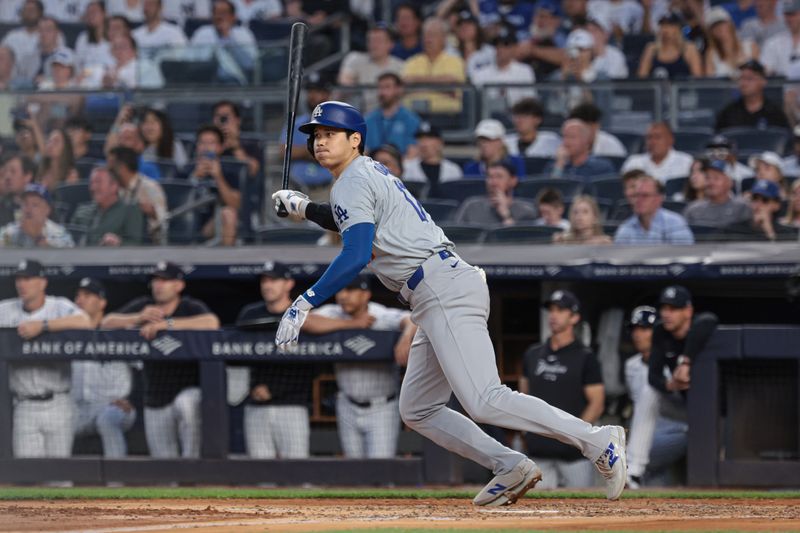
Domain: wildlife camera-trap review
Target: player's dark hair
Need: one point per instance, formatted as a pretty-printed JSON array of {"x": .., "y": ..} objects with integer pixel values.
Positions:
[
  {"x": 528, "y": 106},
  {"x": 550, "y": 196},
  {"x": 233, "y": 105},
  {"x": 210, "y": 128},
  {"x": 586, "y": 112},
  {"x": 127, "y": 157}
]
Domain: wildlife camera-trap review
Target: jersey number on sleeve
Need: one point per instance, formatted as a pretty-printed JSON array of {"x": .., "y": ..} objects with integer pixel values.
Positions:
[{"x": 411, "y": 200}]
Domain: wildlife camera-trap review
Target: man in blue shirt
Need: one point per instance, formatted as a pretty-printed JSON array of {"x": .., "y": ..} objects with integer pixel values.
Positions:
[
  {"x": 392, "y": 122},
  {"x": 650, "y": 223},
  {"x": 574, "y": 157}
]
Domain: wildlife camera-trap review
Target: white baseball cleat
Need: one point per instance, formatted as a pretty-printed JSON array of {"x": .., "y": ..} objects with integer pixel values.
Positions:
[
  {"x": 505, "y": 489},
  {"x": 613, "y": 465}
]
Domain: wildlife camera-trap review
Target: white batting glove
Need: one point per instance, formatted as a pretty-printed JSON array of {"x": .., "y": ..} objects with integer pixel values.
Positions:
[
  {"x": 292, "y": 321},
  {"x": 295, "y": 203}
]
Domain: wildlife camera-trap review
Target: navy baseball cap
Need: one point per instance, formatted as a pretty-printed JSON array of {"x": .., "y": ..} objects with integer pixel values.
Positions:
[
  {"x": 676, "y": 296},
  {"x": 426, "y": 129},
  {"x": 506, "y": 35},
  {"x": 39, "y": 190},
  {"x": 317, "y": 81},
  {"x": 721, "y": 141},
  {"x": 167, "y": 270},
  {"x": 766, "y": 189},
  {"x": 671, "y": 18},
  {"x": 29, "y": 268},
  {"x": 643, "y": 316},
  {"x": 754, "y": 66},
  {"x": 564, "y": 300},
  {"x": 275, "y": 270},
  {"x": 719, "y": 165},
  {"x": 93, "y": 286},
  {"x": 362, "y": 281}
]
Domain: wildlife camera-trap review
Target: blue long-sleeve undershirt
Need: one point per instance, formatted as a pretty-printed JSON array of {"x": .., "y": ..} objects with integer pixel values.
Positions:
[{"x": 356, "y": 253}]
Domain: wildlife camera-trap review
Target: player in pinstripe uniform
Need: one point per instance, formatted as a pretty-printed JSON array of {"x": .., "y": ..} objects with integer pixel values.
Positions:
[
  {"x": 367, "y": 415},
  {"x": 43, "y": 409}
]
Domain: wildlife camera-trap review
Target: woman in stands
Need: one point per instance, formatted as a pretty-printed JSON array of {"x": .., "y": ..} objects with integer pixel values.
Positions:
[
  {"x": 58, "y": 161},
  {"x": 792, "y": 217},
  {"x": 585, "y": 224},
  {"x": 725, "y": 51},
  {"x": 157, "y": 133},
  {"x": 92, "y": 48},
  {"x": 670, "y": 56},
  {"x": 695, "y": 187},
  {"x": 769, "y": 166}
]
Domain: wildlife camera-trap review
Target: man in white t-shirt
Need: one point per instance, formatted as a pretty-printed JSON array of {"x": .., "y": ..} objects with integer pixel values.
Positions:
[
  {"x": 364, "y": 68},
  {"x": 660, "y": 160},
  {"x": 24, "y": 41},
  {"x": 156, "y": 33},
  {"x": 781, "y": 50},
  {"x": 129, "y": 72},
  {"x": 234, "y": 46},
  {"x": 604, "y": 144},
  {"x": 367, "y": 414},
  {"x": 430, "y": 166},
  {"x": 506, "y": 70},
  {"x": 526, "y": 140},
  {"x": 43, "y": 409}
]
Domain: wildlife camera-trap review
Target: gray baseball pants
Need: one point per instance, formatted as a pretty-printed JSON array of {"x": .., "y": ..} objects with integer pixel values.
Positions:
[{"x": 452, "y": 351}]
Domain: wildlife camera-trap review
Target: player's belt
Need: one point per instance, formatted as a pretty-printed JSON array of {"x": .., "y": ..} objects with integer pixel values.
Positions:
[
  {"x": 417, "y": 276},
  {"x": 369, "y": 403}
]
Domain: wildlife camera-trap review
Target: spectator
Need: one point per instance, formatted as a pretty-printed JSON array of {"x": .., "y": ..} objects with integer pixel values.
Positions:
[
  {"x": 124, "y": 132},
  {"x": 28, "y": 138},
  {"x": 17, "y": 173},
  {"x": 578, "y": 63},
  {"x": 62, "y": 75},
  {"x": 660, "y": 160},
  {"x": 434, "y": 66},
  {"x": 629, "y": 184},
  {"x": 208, "y": 172},
  {"x": 779, "y": 49},
  {"x": 430, "y": 166},
  {"x": 100, "y": 389},
  {"x": 407, "y": 24},
  {"x": 499, "y": 205},
  {"x": 79, "y": 131},
  {"x": 670, "y": 56},
  {"x": 42, "y": 408},
  {"x": 132, "y": 10},
  {"x": 609, "y": 61},
  {"x": 172, "y": 389},
  {"x": 248, "y": 10},
  {"x": 389, "y": 156},
  {"x": 550, "y": 204},
  {"x": 392, "y": 122},
  {"x": 765, "y": 202},
  {"x": 660, "y": 434},
  {"x": 791, "y": 164},
  {"x": 574, "y": 158},
  {"x": 527, "y": 115},
  {"x": 228, "y": 118},
  {"x": 585, "y": 223},
  {"x": 138, "y": 190},
  {"x": 472, "y": 45},
  {"x": 235, "y": 43},
  {"x": 695, "y": 187},
  {"x": 692, "y": 13},
  {"x": 276, "y": 416},
  {"x": 489, "y": 134},
  {"x": 740, "y": 11},
  {"x": 9, "y": 81},
  {"x": 604, "y": 144},
  {"x": 92, "y": 49},
  {"x": 107, "y": 219},
  {"x": 367, "y": 414},
  {"x": 651, "y": 224},
  {"x": 50, "y": 41},
  {"x": 725, "y": 50},
  {"x": 305, "y": 169},
  {"x": 678, "y": 340},
  {"x": 34, "y": 228},
  {"x": 719, "y": 209},
  {"x": 622, "y": 17},
  {"x": 564, "y": 373},
  {"x": 156, "y": 34},
  {"x": 764, "y": 25},
  {"x": 752, "y": 109},
  {"x": 792, "y": 217},
  {"x": 364, "y": 68},
  {"x": 768, "y": 166},
  {"x": 544, "y": 51},
  {"x": 128, "y": 72},
  {"x": 159, "y": 139},
  {"x": 721, "y": 147},
  {"x": 517, "y": 15},
  {"x": 505, "y": 70},
  {"x": 118, "y": 25},
  {"x": 24, "y": 41}
]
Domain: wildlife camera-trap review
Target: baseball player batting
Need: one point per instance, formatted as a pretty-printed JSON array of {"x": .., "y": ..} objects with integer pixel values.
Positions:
[{"x": 383, "y": 226}]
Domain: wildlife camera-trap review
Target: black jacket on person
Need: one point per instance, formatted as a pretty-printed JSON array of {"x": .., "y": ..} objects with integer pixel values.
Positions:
[{"x": 666, "y": 348}]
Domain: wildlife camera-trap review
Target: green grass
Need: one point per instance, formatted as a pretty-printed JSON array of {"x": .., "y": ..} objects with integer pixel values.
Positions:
[{"x": 151, "y": 493}]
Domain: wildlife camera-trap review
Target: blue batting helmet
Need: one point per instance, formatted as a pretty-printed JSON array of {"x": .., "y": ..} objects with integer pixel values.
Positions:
[{"x": 336, "y": 115}]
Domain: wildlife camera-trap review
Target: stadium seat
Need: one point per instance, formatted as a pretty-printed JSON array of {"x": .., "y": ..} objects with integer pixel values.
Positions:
[
  {"x": 460, "y": 190},
  {"x": 85, "y": 165},
  {"x": 272, "y": 62},
  {"x": 188, "y": 116},
  {"x": 535, "y": 165},
  {"x": 6, "y": 27},
  {"x": 750, "y": 141},
  {"x": 530, "y": 188},
  {"x": 167, "y": 168},
  {"x": 692, "y": 141},
  {"x": 440, "y": 210},
  {"x": 71, "y": 30},
  {"x": 617, "y": 161},
  {"x": 270, "y": 30},
  {"x": 67, "y": 197},
  {"x": 419, "y": 189},
  {"x": 633, "y": 44},
  {"x": 747, "y": 184},
  {"x": 621, "y": 211},
  {"x": 633, "y": 141},
  {"x": 607, "y": 189},
  {"x": 181, "y": 72},
  {"x": 463, "y": 233},
  {"x": 707, "y": 233},
  {"x": 674, "y": 186},
  {"x": 78, "y": 233},
  {"x": 100, "y": 109},
  {"x": 674, "y": 206},
  {"x": 289, "y": 235},
  {"x": 520, "y": 233},
  {"x": 181, "y": 223},
  {"x": 610, "y": 228},
  {"x": 191, "y": 25}
]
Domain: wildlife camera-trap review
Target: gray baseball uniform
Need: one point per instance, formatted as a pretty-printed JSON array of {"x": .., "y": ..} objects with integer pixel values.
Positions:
[
  {"x": 367, "y": 415},
  {"x": 43, "y": 409},
  {"x": 452, "y": 350}
]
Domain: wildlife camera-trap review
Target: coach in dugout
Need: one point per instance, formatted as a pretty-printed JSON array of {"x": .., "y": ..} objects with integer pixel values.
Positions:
[
  {"x": 172, "y": 390},
  {"x": 43, "y": 410}
]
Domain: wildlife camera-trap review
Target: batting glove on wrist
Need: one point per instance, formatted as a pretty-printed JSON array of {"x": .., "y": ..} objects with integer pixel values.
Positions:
[
  {"x": 294, "y": 202},
  {"x": 292, "y": 321}
]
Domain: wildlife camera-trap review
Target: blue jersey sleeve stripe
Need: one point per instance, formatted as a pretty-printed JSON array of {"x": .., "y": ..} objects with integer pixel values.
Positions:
[{"x": 356, "y": 253}]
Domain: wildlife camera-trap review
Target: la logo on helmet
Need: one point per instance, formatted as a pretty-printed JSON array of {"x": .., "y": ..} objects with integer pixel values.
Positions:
[{"x": 317, "y": 112}]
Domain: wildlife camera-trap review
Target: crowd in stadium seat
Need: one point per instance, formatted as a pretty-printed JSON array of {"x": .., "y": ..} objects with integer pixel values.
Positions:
[{"x": 79, "y": 44}]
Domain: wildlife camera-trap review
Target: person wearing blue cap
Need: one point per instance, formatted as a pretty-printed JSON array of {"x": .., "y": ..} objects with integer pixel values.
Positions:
[
  {"x": 35, "y": 229},
  {"x": 765, "y": 201},
  {"x": 719, "y": 208}
]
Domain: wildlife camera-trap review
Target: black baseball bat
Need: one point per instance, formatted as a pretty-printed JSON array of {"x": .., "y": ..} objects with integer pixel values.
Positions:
[{"x": 297, "y": 42}]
